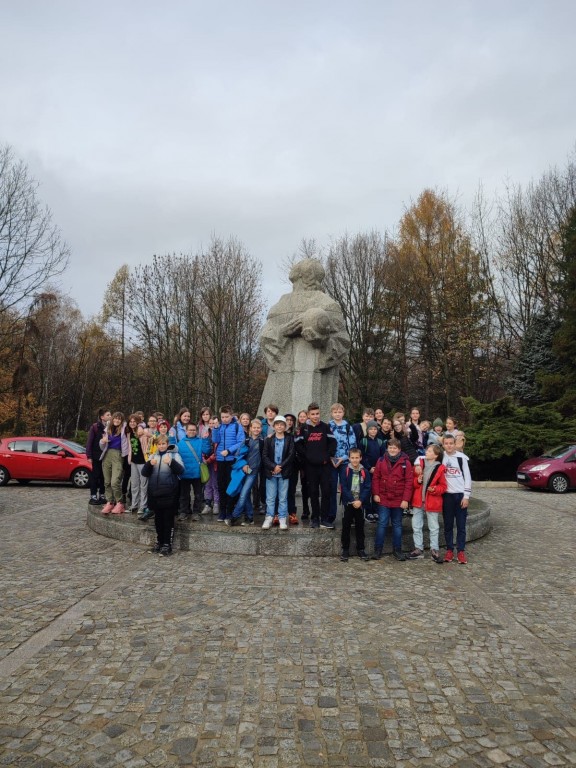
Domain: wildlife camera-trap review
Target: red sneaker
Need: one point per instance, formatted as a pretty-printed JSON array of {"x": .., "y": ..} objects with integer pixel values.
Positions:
[
  {"x": 449, "y": 556},
  {"x": 461, "y": 557},
  {"x": 293, "y": 519}
]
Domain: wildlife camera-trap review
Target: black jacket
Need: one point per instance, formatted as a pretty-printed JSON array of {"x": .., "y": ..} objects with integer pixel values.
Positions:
[
  {"x": 163, "y": 482},
  {"x": 316, "y": 445},
  {"x": 287, "y": 455}
]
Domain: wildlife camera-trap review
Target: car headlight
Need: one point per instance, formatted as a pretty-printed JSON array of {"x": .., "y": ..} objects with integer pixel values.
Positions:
[{"x": 539, "y": 468}]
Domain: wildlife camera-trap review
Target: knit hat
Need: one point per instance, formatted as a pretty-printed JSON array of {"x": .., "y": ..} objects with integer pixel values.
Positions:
[
  {"x": 372, "y": 423},
  {"x": 438, "y": 423}
]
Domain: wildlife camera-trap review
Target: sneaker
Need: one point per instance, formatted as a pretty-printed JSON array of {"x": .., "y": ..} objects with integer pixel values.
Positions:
[
  {"x": 399, "y": 555},
  {"x": 283, "y": 524},
  {"x": 206, "y": 510},
  {"x": 102, "y": 500},
  {"x": 221, "y": 518},
  {"x": 94, "y": 502},
  {"x": 146, "y": 514},
  {"x": 377, "y": 554},
  {"x": 107, "y": 508},
  {"x": 435, "y": 555},
  {"x": 362, "y": 554},
  {"x": 276, "y": 520},
  {"x": 194, "y": 517},
  {"x": 182, "y": 517},
  {"x": 461, "y": 557},
  {"x": 165, "y": 550},
  {"x": 216, "y": 509},
  {"x": 416, "y": 554},
  {"x": 155, "y": 549},
  {"x": 449, "y": 556},
  {"x": 325, "y": 524},
  {"x": 247, "y": 521},
  {"x": 344, "y": 555},
  {"x": 314, "y": 524},
  {"x": 293, "y": 519},
  {"x": 118, "y": 509},
  {"x": 267, "y": 522}
]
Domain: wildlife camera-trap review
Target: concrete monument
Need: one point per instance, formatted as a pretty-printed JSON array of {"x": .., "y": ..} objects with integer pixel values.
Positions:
[{"x": 304, "y": 341}]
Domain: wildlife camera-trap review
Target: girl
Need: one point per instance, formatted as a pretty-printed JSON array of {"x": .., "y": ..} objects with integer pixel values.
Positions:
[
  {"x": 181, "y": 421},
  {"x": 211, "y": 494},
  {"x": 138, "y": 483},
  {"x": 302, "y": 419},
  {"x": 429, "y": 487},
  {"x": 245, "y": 420},
  {"x": 204, "y": 422},
  {"x": 115, "y": 445},
  {"x": 451, "y": 425}
]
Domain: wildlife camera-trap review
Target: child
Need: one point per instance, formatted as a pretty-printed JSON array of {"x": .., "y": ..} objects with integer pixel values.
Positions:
[
  {"x": 435, "y": 436},
  {"x": 138, "y": 483},
  {"x": 316, "y": 446},
  {"x": 392, "y": 491},
  {"x": 355, "y": 495},
  {"x": 115, "y": 445},
  {"x": 227, "y": 439},
  {"x": 429, "y": 487},
  {"x": 414, "y": 431},
  {"x": 425, "y": 426},
  {"x": 455, "y": 502},
  {"x": 373, "y": 448},
  {"x": 178, "y": 430},
  {"x": 278, "y": 457},
  {"x": 162, "y": 471},
  {"x": 211, "y": 492},
  {"x": 93, "y": 453},
  {"x": 191, "y": 450},
  {"x": 345, "y": 440},
  {"x": 251, "y": 469},
  {"x": 302, "y": 420},
  {"x": 294, "y": 474},
  {"x": 361, "y": 428}
]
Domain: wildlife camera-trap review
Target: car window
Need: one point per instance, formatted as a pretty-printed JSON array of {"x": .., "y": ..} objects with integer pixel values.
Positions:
[
  {"x": 21, "y": 446},
  {"x": 74, "y": 446},
  {"x": 558, "y": 453},
  {"x": 46, "y": 447}
]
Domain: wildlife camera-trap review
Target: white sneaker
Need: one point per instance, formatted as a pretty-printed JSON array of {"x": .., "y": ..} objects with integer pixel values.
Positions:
[
  {"x": 207, "y": 510},
  {"x": 216, "y": 509},
  {"x": 283, "y": 524},
  {"x": 267, "y": 522}
]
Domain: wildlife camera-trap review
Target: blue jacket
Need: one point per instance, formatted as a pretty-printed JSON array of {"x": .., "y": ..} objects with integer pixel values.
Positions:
[
  {"x": 365, "y": 486},
  {"x": 372, "y": 450},
  {"x": 228, "y": 437},
  {"x": 177, "y": 433},
  {"x": 201, "y": 445},
  {"x": 345, "y": 439}
]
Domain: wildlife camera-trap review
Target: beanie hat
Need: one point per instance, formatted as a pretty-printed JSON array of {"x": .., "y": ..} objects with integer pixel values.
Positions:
[
  {"x": 372, "y": 423},
  {"x": 438, "y": 423}
]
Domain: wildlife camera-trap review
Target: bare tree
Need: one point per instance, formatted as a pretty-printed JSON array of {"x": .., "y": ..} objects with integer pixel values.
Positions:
[{"x": 31, "y": 246}]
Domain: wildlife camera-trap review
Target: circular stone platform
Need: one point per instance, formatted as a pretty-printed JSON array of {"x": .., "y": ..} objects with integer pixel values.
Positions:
[{"x": 207, "y": 535}]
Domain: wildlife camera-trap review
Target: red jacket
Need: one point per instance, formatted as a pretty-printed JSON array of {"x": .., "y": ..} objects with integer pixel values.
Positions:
[
  {"x": 393, "y": 482},
  {"x": 436, "y": 489}
]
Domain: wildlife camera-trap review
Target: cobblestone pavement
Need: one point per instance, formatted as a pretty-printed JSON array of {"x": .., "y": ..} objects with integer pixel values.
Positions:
[{"x": 110, "y": 656}]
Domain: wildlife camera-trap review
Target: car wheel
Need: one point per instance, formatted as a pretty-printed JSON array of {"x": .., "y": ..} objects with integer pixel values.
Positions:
[
  {"x": 558, "y": 483},
  {"x": 80, "y": 478},
  {"x": 23, "y": 482},
  {"x": 4, "y": 476}
]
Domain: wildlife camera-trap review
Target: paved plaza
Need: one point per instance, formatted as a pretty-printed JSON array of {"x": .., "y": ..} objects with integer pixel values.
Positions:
[{"x": 110, "y": 656}]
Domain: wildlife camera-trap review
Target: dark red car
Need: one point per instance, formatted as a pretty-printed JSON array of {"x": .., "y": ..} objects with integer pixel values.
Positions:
[
  {"x": 43, "y": 458},
  {"x": 555, "y": 469}
]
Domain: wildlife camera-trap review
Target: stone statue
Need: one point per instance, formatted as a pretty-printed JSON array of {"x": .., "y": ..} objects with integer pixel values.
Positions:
[{"x": 304, "y": 341}]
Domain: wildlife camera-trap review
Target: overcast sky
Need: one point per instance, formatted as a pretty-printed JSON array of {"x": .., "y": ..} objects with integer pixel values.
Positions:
[{"x": 152, "y": 125}]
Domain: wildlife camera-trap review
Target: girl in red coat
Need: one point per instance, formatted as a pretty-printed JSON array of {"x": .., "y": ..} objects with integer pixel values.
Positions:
[
  {"x": 391, "y": 491},
  {"x": 429, "y": 487}
]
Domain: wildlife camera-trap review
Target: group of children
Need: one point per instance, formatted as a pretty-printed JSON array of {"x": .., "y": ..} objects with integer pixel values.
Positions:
[{"x": 236, "y": 466}]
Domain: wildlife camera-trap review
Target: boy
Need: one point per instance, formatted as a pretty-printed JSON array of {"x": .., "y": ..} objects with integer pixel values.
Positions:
[
  {"x": 429, "y": 487},
  {"x": 162, "y": 471},
  {"x": 251, "y": 469},
  {"x": 392, "y": 491},
  {"x": 373, "y": 448},
  {"x": 227, "y": 438},
  {"x": 361, "y": 429},
  {"x": 278, "y": 457},
  {"x": 356, "y": 485},
  {"x": 345, "y": 440},
  {"x": 316, "y": 446},
  {"x": 191, "y": 448},
  {"x": 455, "y": 500},
  {"x": 435, "y": 436}
]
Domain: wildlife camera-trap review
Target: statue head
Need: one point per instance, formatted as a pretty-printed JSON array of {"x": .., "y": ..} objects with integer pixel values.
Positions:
[{"x": 307, "y": 275}]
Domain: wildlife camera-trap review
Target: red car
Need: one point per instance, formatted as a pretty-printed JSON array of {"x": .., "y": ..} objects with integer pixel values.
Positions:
[
  {"x": 555, "y": 470},
  {"x": 43, "y": 458}
]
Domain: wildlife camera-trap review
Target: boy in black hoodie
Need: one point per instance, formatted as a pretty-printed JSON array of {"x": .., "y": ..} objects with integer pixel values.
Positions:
[{"x": 316, "y": 445}]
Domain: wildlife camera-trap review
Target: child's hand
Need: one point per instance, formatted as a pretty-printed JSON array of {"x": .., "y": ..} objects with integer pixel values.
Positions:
[
  {"x": 376, "y": 499},
  {"x": 167, "y": 459},
  {"x": 357, "y": 504},
  {"x": 153, "y": 461}
]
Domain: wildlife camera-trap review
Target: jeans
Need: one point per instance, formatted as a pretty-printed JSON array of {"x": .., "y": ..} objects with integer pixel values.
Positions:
[
  {"x": 385, "y": 515},
  {"x": 418, "y": 528},
  {"x": 451, "y": 511},
  {"x": 277, "y": 486},
  {"x": 337, "y": 475},
  {"x": 244, "y": 503}
]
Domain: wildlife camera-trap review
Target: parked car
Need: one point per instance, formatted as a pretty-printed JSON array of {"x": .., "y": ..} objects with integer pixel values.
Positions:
[
  {"x": 555, "y": 469},
  {"x": 43, "y": 458}
]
